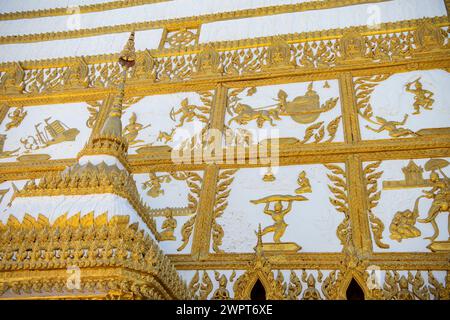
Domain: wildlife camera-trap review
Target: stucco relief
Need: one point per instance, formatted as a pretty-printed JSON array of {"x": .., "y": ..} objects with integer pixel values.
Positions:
[
  {"x": 293, "y": 209},
  {"x": 173, "y": 198},
  {"x": 159, "y": 121},
  {"x": 408, "y": 204},
  {"x": 44, "y": 132},
  {"x": 403, "y": 105},
  {"x": 307, "y": 112}
]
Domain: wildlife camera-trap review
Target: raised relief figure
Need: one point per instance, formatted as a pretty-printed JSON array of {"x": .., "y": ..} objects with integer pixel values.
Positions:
[
  {"x": 302, "y": 109},
  {"x": 403, "y": 224},
  {"x": 422, "y": 97},
  {"x": 440, "y": 194},
  {"x": 392, "y": 127},
  {"x": 16, "y": 117},
  {"x": 154, "y": 184},
  {"x": 278, "y": 213},
  {"x": 54, "y": 132},
  {"x": 132, "y": 129},
  {"x": 222, "y": 292},
  {"x": 189, "y": 113},
  {"x": 168, "y": 227}
]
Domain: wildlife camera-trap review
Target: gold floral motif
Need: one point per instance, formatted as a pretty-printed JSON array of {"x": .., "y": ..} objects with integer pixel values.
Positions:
[
  {"x": 223, "y": 190},
  {"x": 200, "y": 290},
  {"x": 194, "y": 183},
  {"x": 340, "y": 201},
  {"x": 373, "y": 196}
]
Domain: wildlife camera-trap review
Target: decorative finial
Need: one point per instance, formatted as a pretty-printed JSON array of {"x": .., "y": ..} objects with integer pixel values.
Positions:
[
  {"x": 128, "y": 55},
  {"x": 259, "y": 246},
  {"x": 113, "y": 124}
]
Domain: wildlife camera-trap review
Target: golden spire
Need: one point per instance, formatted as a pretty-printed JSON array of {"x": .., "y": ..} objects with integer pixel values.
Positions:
[
  {"x": 113, "y": 124},
  {"x": 259, "y": 247}
]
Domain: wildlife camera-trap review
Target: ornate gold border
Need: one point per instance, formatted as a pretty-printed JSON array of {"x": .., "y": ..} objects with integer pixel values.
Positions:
[{"x": 180, "y": 22}]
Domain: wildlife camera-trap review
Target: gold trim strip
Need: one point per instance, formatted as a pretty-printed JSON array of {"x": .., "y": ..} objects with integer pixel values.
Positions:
[
  {"x": 97, "y": 7},
  {"x": 183, "y": 22}
]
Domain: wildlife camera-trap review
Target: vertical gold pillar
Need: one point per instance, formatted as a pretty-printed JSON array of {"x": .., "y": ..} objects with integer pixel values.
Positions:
[
  {"x": 349, "y": 112},
  {"x": 201, "y": 241},
  {"x": 357, "y": 207}
]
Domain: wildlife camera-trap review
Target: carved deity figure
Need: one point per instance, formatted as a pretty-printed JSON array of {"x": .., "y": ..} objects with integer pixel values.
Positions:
[
  {"x": 154, "y": 184},
  {"x": 391, "y": 127},
  {"x": 168, "y": 227},
  {"x": 188, "y": 113},
  {"x": 304, "y": 184},
  {"x": 208, "y": 61},
  {"x": 404, "y": 293},
  {"x": 440, "y": 193},
  {"x": 277, "y": 214},
  {"x": 132, "y": 129},
  {"x": 311, "y": 293},
  {"x": 221, "y": 293},
  {"x": 279, "y": 54},
  {"x": 422, "y": 97},
  {"x": 352, "y": 46},
  {"x": 16, "y": 117}
]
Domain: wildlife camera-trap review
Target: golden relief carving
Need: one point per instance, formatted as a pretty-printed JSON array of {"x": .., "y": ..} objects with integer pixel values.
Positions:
[
  {"x": 371, "y": 176},
  {"x": 54, "y": 132},
  {"x": 4, "y": 153},
  {"x": 392, "y": 127},
  {"x": 154, "y": 184},
  {"x": 176, "y": 39},
  {"x": 340, "y": 201},
  {"x": 131, "y": 131},
  {"x": 302, "y": 109},
  {"x": 200, "y": 290},
  {"x": 222, "y": 293},
  {"x": 403, "y": 223},
  {"x": 413, "y": 178},
  {"x": 94, "y": 110},
  {"x": 96, "y": 245},
  {"x": 223, "y": 190},
  {"x": 259, "y": 269},
  {"x": 194, "y": 183},
  {"x": 422, "y": 97},
  {"x": 168, "y": 228},
  {"x": 400, "y": 287},
  {"x": 312, "y": 54},
  {"x": 16, "y": 116},
  {"x": 279, "y": 211}
]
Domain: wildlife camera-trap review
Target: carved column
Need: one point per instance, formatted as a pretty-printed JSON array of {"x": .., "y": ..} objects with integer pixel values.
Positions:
[
  {"x": 202, "y": 232},
  {"x": 352, "y": 133},
  {"x": 358, "y": 216}
]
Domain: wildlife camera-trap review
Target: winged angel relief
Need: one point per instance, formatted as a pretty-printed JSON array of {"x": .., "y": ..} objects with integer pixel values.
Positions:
[{"x": 302, "y": 109}]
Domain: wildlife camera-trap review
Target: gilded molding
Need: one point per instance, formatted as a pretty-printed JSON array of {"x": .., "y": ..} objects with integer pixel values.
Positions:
[
  {"x": 97, "y": 7},
  {"x": 114, "y": 254},
  {"x": 183, "y": 22}
]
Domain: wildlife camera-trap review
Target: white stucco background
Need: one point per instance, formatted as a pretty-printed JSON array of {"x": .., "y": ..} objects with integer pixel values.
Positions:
[
  {"x": 389, "y": 100},
  {"x": 312, "y": 224}
]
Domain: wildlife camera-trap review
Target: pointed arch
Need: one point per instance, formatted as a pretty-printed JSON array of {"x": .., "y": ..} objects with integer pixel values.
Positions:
[{"x": 358, "y": 278}]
